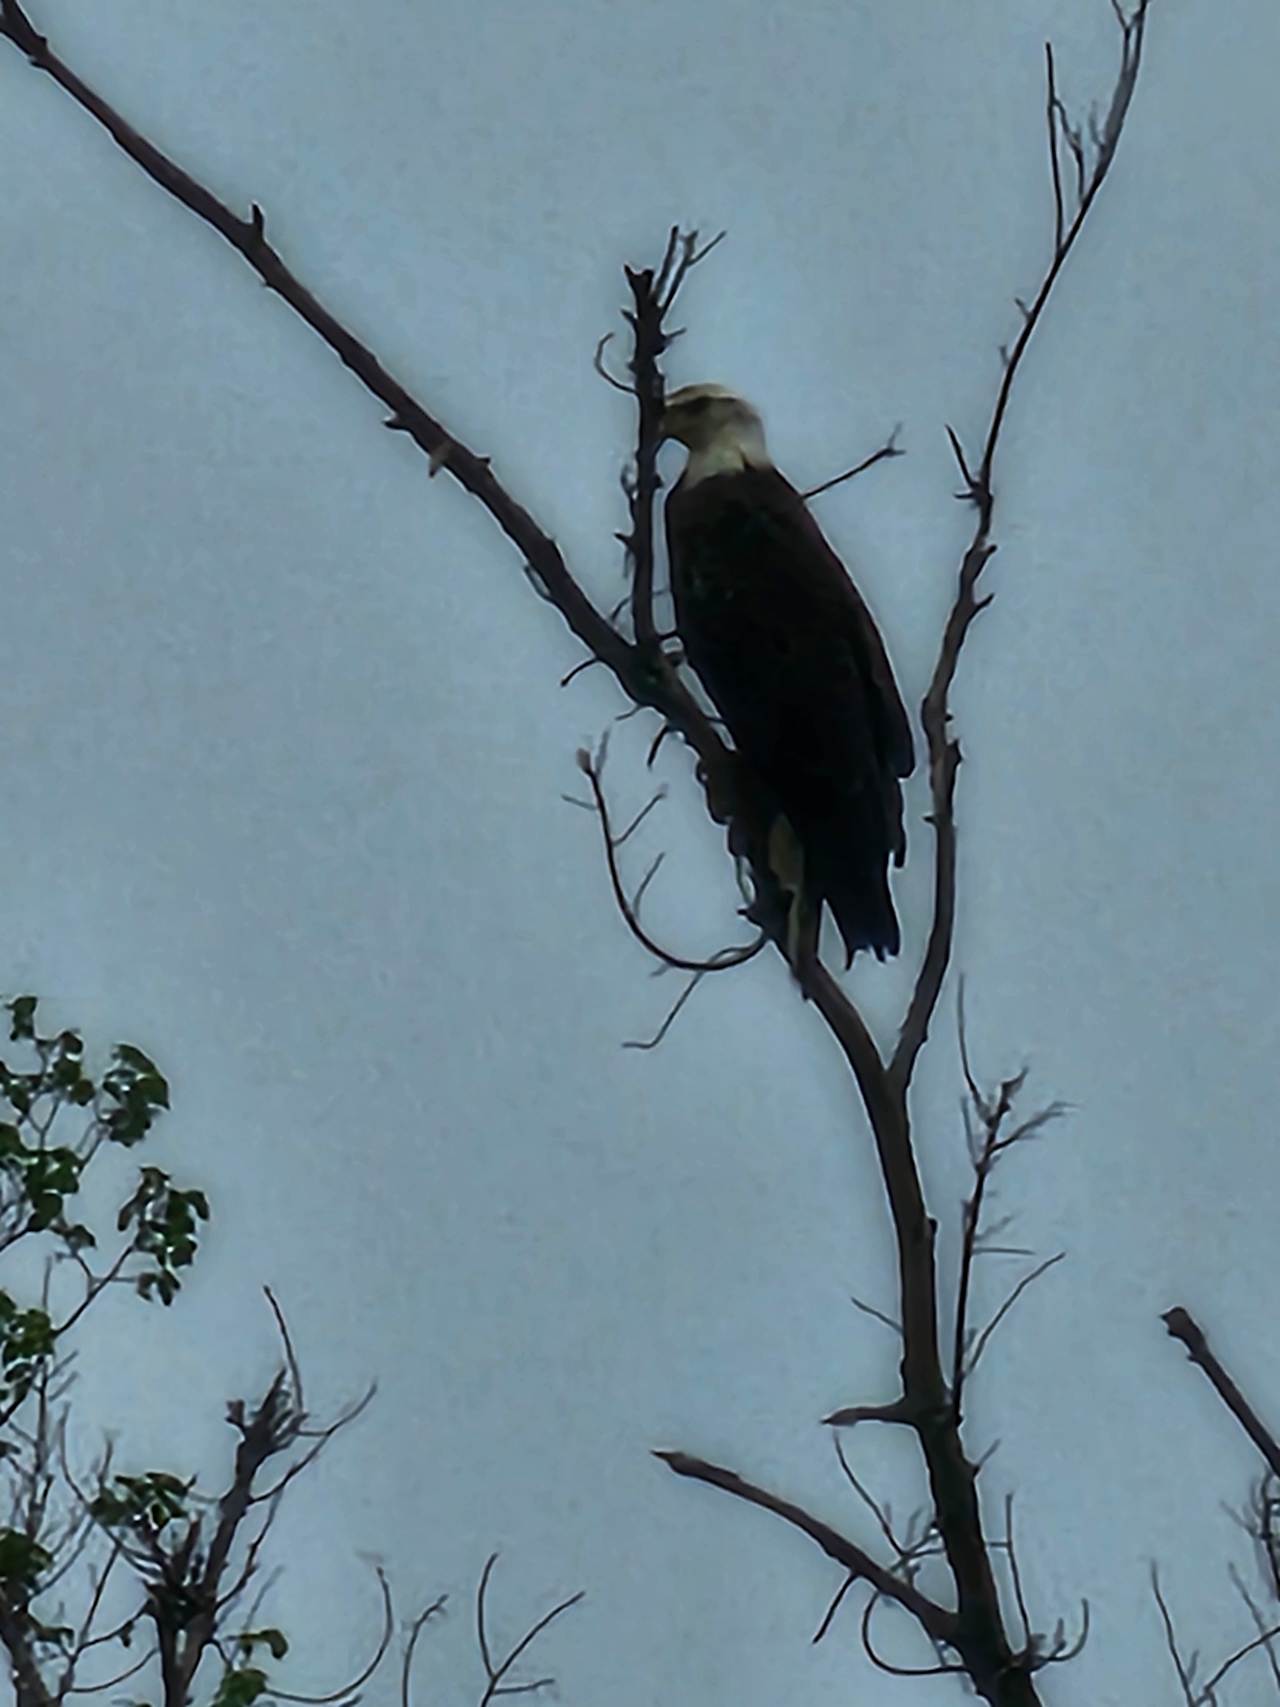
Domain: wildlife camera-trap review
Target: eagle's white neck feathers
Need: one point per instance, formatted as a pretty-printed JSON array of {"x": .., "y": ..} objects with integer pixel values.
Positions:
[
  {"x": 735, "y": 446},
  {"x": 724, "y": 434}
]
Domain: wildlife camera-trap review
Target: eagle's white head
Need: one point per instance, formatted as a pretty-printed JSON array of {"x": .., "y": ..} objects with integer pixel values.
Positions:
[{"x": 722, "y": 430}]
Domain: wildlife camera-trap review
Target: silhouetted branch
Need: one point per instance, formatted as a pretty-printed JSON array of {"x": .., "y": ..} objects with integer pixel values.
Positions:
[
  {"x": 922, "y": 1530},
  {"x": 498, "y": 1670},
  {"x": 597, "y": 362},
  {"x": 1265, "y": 1527},
  {"x": 942, "y": 1669},
  {"x": 653, "y": 296},
  {"x": 1171, "y": 1642},
  {"x": 986, "y": 1120},
  {"x": 980, "y": 1344},
  {"x": 887, "y": 449},
  {"x": 1051, "y": 114},
  {"x": 876, "y": 1316},
  {"x": 1262, "y": 1640},
  {"x": 589, "y": 764},
  {"x": 18, "y": 1638},
  {"x": 673, "y": 1013},
  {"x": 1182, "y": 1326},
  {"x": 1205, "y": 1694},
  {"x": 291, "y": 1363},
  {"x": 640, "y": 669},
  {"x": 416, "y": 1628},
  {"x": 939, "y": 1624},
  {"x": 349, "y": 1690},
  {"x": 828, "y": 1617},
  {"x": 1265, "y": 1631},
  {"x": 943, "y": 748},
  {"x": 897, "y": 1412}
]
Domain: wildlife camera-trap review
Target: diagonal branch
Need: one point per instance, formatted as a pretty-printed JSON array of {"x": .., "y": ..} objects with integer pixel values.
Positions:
[
  {"x": 648, "y": 679},
  {"x": 943, "y": 748},
  {"x": 1183, "y": 1326},
  {"x": 890, "y": 448},
  {"x": 937, "y": 1623}
]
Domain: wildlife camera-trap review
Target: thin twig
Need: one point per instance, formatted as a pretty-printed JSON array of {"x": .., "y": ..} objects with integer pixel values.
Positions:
[
  {"x": 1255, "y": 1611},
  {"x": 673, "y": 1013},
  {"x": 1262, "y": 1640},
  {"x": 888, "y": 449},
  {"x": 495, "y": 1672},
  {"x": 1012, "y": 1555},
  {"x": 943, "y": 1669},
  {"x": 415, "y": 1630},
  {"x": 597, "y": 362},
  {"x": 1051, "y": 114},
  {"x": 723, "y": 961},
  {"x": 1171, "y": 1641},
  {"x": 357, "y": 1682},
  {"x": 828, "y": 1616},
  {"x": 876, "y": 1315},
  {"x": 980, "y": 1344}
]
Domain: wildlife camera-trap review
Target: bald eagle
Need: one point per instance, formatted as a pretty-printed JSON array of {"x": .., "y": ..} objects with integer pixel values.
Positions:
[{"x": 788, "y": 653}]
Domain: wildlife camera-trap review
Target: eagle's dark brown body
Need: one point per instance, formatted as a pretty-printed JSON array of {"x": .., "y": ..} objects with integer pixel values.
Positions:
[{"x": 788, "y": 652}]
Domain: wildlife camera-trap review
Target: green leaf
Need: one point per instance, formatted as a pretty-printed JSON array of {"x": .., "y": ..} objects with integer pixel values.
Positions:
[
  {"x": 274, "y": 1640},
  {"x": 46, "y": 1206},
  {"x": 22, "y": 1010},
  {"x": 21, "y": 1559},
  {"x": 240, "y": 1686},
  {"x": 134, "y": 1057},
  {"x": 149, "y": 1501}
]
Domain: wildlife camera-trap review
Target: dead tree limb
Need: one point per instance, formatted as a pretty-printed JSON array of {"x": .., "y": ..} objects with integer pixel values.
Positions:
[{"x": 1183, "y": 1326}]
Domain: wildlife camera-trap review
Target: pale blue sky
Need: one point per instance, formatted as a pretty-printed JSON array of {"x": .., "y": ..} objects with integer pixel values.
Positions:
[{"x": 286, "y": 750}]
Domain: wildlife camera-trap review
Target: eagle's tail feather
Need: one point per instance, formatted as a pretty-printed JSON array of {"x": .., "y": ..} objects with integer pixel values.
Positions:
[{"x": 864, "y": 913}]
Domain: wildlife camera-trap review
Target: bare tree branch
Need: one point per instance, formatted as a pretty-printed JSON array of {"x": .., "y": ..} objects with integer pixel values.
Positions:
[
  {"x": 1182, "y": 1326},
  {"x": 496, "y": 1671},
  {"x": 935, "y": 1620},
  {"x": 416, "y": 1628},
  {"x": 348, "y": 1690},
  {"x": 1263, "y": 1639},
  {"x": 1267, "y": 1634},
  {"x": 889, "y": 448},
  {"x": 980, "y": 1344},
  {"x": 1171, "y": 1642},
  {"x": 589, "y": 764},
  {"x": 944, "y": 749}
]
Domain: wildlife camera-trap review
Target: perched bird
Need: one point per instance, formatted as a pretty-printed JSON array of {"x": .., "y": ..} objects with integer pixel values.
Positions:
[{"x": 788, "y": 653}]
